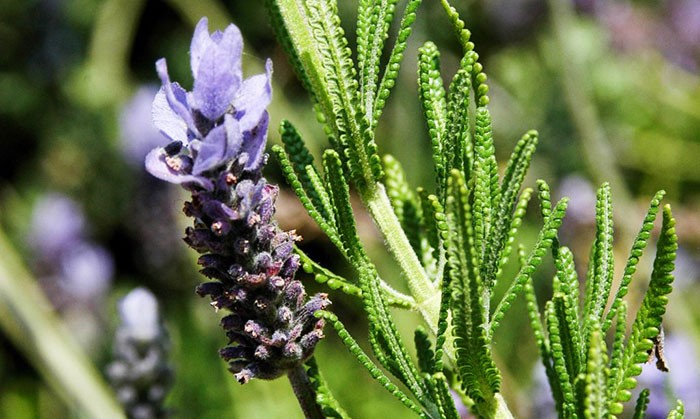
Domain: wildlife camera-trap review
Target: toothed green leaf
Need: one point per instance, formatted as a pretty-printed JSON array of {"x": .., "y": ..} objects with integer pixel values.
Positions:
[
  {"x": 330, "y": 407},
  {"x": 432, "y": 98},
  {"x": 376, "y": 17},
  {"x": 340, "y": 197},
  {"x": 595, "y": 400},
  {"x": 516, "y": 222},
  {"x": 602, "y": 264},
  {"x": 365, "y": 361},
  {"x": 457, "y": 150},
  {"x": 617, "y": 357},
  {"x": 503, "y": 212},
  {"x": 562, "y": 362},
  {"x": 648, "y": 319},
  {"x": 640, "y": 408},
  {"x": 327, "y": 225},
  {"x": 324, "y": 276},
  {"x": 424, "y": 351},
  {"x": 479, "y": 375},
  {"x": 640, "y": 243},
  {"x": 678, "y": 411},
  {"x": 391, "y": 72},
  {"x": 544, "y": 242}
]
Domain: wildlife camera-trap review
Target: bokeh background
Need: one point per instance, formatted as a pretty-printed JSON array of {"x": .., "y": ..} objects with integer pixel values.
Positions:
[{"x": 613, "y": 87}]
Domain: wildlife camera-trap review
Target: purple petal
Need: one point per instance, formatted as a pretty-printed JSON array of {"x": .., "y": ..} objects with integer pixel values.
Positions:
[
  {"x": 218, "y": 74},
  {"x": 254, "y": 144},
  {"x": 234, "y": 137},
  {"x": 157, "y": 166},
  {"x": 176, "y": 96},
  {"x": 166, "y": 120},
  {"x": 201, "y": 41},
  {"x": 211, "y": 151},
  {"x": 253, "y": 98}
]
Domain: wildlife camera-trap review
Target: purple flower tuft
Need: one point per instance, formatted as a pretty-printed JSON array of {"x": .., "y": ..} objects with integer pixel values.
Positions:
[
  {"x": 224, "y": 119},
  {"x": 217, "y": 137}
]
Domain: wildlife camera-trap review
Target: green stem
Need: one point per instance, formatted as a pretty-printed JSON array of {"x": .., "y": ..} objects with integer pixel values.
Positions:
[
  {"x": 27, "y": 318},
  {"x": 305, "y": 393},
  {"x": 426, "y": 295}
]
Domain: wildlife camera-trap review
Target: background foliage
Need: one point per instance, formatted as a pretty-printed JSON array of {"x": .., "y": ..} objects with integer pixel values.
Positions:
[{"x": 613, "y": 90}]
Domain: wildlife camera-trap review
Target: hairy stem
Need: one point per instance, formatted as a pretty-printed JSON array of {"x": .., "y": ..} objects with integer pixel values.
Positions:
[{"x": 304, "y": 392}]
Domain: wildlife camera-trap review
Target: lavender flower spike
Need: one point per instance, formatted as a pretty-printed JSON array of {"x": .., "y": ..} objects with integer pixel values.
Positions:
[{"x": 217, "y": 137}]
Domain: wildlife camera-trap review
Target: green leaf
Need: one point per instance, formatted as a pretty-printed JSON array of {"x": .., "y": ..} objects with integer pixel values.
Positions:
[
  {"x": 503, "y": 213},
  {"x": 432, "y": 98},
  {"x": 457, "y": 151},
  {"x": 340, "y": 197},
  {"x": 563, "y": 364},
  {"x": 391, "y": 72},
  {"x": 485, "y": 176},
  {"x": 424, "y": 351},
  {"x": 365, "y": 361},
  {"x": 647, "y": 322},
  {"x": 330, "y": 407},
  {"x": 640, "y": 243},
  {"x": 302, "y": 191},
  {"x": 516, "y": 222},
  {"x": 617, "y": 357},
  {"x": 640, "y": 407},
  {"x": 595, "y": 400},
  {"x": 544, "y": 241},
  {"x": 374, "y": 20},
  {"x": 325, "y": 276},
  {"x": 678, "y": 411},
  {"x": 602, "y": 264},
  {"x": 313, "y": 27},
  {"x": 480, "y": 377}
]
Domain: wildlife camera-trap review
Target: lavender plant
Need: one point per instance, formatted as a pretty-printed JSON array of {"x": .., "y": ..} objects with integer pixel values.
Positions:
[{"x": 451, "y": 245}]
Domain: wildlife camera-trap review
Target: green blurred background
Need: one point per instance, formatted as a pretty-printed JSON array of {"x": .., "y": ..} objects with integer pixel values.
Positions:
[{"x": 612, "y": 87}]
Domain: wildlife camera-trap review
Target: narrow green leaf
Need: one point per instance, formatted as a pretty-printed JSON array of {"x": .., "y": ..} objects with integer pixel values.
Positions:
[
  {"x": 325, "y": 276},
  {"x": 595, "y": 401},
  {"x": 365, "y": 361},
  {"x": 432, "y": 97},
  {"x": 391, "y": 72},
  {"x": 424, "y": 351},
  {"x": 503, "y": 214},
  {"x": 479, "y": 375},
  {"x": 379, "y": 15},
  {"x": 647, "y": 322},
  {"x": 340, "y": 197},
  {"x": 516, "y": 222},
  {"x": 640, "y": 243},
  {"x": 330, "y": 406},
  {"x": 617, "y": 357},
  {"x": 603, "y": 255},
  {"x": 485, "y": 175},
  {"x": 457, "y": 150},
  {"x": 327, "y": 225},
  {"x": 640, "y": 408},
  {"x": 678, "y": 411},
  {"x": 562, "y": 362},
  {"x": 544, "y": 242}
]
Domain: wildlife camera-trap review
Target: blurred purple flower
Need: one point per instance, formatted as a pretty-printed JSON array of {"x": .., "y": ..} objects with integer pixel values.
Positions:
[
  {"x": 223, "y": 119},
  {"x": 57, "y": 223},
  {"x": 138, "y": 134},
  {"x": 73, "y": 268}
]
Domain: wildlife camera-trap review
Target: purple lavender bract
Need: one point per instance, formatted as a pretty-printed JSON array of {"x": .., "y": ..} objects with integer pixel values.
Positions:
[{"x": 217, "y": 137}]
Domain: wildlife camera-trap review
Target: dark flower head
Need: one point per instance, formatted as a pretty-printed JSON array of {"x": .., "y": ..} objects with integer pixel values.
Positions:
[{"x": 223, "y": 119}]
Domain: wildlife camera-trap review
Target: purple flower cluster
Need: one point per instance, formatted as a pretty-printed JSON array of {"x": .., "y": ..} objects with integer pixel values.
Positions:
[{"x": 217, "y": 137}]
